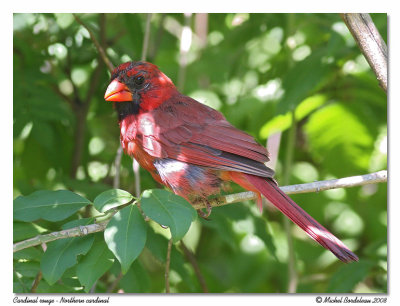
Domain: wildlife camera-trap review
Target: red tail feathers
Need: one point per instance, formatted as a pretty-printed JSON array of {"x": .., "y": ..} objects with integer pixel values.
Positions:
[{"x": 295, "y": 213}]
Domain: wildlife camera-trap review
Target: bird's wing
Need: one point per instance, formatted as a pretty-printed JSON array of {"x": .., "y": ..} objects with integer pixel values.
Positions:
[{"x": 188, "y": 131}]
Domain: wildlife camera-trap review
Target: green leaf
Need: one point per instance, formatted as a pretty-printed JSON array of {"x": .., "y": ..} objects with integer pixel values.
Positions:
[
  {"x": 28, "y": 254},
  {"x": 94, "y": 264},
  {"x": 125, "y": 235},
  {"x": 349, "y": 275},
  {"x": 168, "y": 209},
  {"x": 282, "y": 122},
  {"x": 136, "y": 280},
  {"x": 262, "y": 231},
  {"x": 336, "y": 134},
  {"x": 22, "y": 230},
  {"x": 111, "y": 198},
  {"x": 49, "y": 205},
  {"x": 304, "y": 77},
  {"x": 27, "y": 268},
  {"x": 62, "y": 254},
  {"x": 223, "y": 227}
]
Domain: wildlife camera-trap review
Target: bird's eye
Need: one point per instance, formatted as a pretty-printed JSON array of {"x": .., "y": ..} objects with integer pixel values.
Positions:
[{"x": 139, "y": 80}]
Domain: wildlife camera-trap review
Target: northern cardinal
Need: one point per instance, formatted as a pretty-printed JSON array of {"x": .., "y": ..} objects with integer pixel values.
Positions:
[{"x": 192, "y": 149}]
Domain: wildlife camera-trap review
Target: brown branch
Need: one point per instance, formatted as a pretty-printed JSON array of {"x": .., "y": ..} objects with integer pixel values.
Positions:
[
  {"x": 63, "y": 96},
  {"x": 36, "y": 282},
  {"x": 370, "y": 42},
  {"x": 81, "y": 108},
  {"x": 192, "y": 259},
  {"x": 79, "y": 141},
  {"x": 99, "y": 48},
  {"x": 95, "y": 78}
]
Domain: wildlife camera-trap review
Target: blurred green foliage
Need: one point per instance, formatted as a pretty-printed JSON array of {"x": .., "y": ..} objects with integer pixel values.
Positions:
[{"x": 254, "y": 68}]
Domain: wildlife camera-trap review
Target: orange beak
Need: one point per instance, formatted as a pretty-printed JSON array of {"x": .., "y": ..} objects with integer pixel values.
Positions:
[{"x": 118, "y": 92}]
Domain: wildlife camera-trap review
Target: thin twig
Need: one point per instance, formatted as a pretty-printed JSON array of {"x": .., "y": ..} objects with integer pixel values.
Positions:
[
  {"x": 38, "y": 278},
  {"x": 370, "y": 42},
  {"x": 346, "y": 182},
  {"x": 167, "y": 264},
  {"x": 192, "y": 259},
  {"x": 99, "y": 48}
]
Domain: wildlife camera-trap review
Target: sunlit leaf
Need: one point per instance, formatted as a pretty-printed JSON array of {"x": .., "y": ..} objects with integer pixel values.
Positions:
[
  {"x": 282, "y": 122},
  {"x": 168, "y": 209},
  {"x": 338, "y": 137},
  {"x": 125, "y": 235},
  {"x": 111, "y": 198}
]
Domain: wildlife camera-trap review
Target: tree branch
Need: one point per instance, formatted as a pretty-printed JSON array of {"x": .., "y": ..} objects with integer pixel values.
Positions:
[
  {"x": 346, "y": 182},
  {"x": 99, "y": 48},
  {"x": 370, "y": 42},
  {"x": 69, "y": 233}
]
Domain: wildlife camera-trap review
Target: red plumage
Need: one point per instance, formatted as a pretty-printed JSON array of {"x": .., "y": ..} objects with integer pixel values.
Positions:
[{"x": 192, "y": 149}]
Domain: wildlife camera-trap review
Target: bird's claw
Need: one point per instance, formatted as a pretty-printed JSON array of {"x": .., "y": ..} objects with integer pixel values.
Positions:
[{"x": 206, "y": 214}]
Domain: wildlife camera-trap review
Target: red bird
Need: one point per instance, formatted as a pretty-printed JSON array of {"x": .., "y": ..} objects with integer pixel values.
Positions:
[{"x": 192, "y": 149}]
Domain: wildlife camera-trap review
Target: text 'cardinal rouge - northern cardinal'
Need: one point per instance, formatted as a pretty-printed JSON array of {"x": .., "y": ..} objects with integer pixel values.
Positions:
[{"x": 192, "y": 149}]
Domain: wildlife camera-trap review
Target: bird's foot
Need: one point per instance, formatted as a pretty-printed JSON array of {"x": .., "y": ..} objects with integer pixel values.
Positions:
[{"x": 206, "y": 214}]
